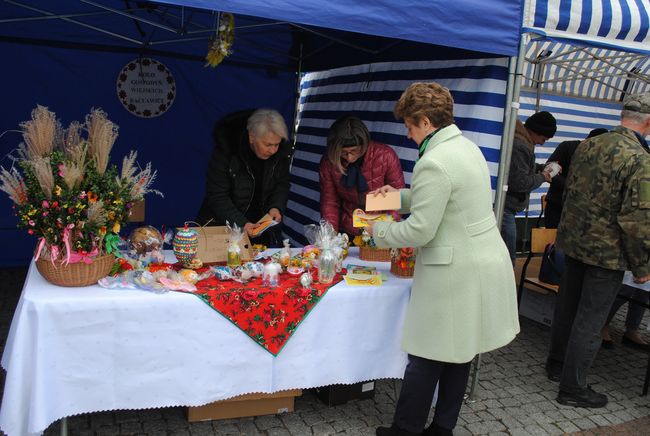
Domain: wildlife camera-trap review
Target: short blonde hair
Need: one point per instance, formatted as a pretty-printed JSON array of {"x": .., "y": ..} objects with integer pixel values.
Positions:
[
  {"x": 267, "y": 120},
  {"x": 430, "y": 100},
  {"x": 346, "y": 132}
]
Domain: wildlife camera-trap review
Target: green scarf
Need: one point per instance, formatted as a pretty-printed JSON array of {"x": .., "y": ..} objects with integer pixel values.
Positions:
[{"x": 425, "y": 142}]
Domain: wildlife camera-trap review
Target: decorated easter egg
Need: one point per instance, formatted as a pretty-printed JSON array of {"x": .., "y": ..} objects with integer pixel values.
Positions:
[{"x": 185, "y": 244}]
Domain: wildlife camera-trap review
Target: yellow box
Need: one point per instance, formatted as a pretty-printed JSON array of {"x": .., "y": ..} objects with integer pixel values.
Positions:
[{"x": 245, "y": 405}]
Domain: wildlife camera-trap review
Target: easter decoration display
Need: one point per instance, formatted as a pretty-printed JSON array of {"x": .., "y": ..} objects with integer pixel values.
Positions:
[
  {"x": 234, "y": 250},
  {"x": 69, "y": 196}
]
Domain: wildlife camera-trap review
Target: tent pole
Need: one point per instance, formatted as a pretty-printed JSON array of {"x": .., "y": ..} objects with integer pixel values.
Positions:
[
  {"x": 510, "y": 118},
  {"x": 513, "y": 88},
  {"x": 297, "y": 107}
]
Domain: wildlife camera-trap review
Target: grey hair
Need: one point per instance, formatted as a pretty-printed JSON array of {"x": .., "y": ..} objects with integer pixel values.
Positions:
[
  {"x": 634, "y": 116},
  {"x": 263, "y": 121}
]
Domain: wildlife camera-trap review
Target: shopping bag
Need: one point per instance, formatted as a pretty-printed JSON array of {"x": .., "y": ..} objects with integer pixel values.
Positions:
[{"x": 552, "y": 266}]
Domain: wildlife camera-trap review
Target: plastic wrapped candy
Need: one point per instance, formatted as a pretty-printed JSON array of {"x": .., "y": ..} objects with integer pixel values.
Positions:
[
  {"x": 271, "y": 275},
  {"x": 242, "y": 274},
  {"x": 189, "y": 275},
  {"x": 222, "y": 272},
  {"x": 234, "y": 250},
  {"x": 257, "y": 268},
  {"x": 306, "y": 280}
]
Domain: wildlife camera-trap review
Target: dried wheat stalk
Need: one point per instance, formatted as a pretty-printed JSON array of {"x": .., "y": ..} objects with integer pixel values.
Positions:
[
  {"x": 40, "y": 132},
  {"x": 101, "y": 136}
]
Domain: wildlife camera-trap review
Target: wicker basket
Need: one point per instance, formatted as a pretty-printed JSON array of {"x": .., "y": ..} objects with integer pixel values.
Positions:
[
  {"x": 401, "y": 272},
  {"x": 75, "y": 274},
  {"x": 374, "y": 254}
]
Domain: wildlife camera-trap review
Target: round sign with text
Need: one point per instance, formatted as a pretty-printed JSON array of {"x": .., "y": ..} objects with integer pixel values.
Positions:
[{"x": 146, "y": 88}]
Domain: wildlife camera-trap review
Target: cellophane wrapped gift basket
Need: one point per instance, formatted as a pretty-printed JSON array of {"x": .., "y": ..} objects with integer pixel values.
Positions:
[{"x": 68, "y": 196}]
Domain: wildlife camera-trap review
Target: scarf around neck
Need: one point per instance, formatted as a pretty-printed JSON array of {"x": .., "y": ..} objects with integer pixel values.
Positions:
[{"x": 354, "y": 177}]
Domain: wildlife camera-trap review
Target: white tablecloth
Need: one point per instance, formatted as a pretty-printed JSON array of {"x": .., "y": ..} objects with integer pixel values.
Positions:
[{"x": 78, "y": 350}]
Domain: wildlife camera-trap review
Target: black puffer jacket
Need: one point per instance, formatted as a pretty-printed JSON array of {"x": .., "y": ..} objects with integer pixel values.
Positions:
[{"x": 230, "y": 184}]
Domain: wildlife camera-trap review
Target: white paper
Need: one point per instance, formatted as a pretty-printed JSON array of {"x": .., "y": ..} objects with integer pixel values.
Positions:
[{"x": 628, "y": 279}]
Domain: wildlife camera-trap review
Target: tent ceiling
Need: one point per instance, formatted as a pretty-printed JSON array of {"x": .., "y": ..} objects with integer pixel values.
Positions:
[
  {"x": 478, "y": 25},
  {"x": 585, "y": 72},
  {"x": 181, "y": 31}
]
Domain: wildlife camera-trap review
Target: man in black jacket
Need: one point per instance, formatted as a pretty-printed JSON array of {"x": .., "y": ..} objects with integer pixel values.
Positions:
[
  {"x": 248, "y": 174},
  {"x": 561, "y": 155}
]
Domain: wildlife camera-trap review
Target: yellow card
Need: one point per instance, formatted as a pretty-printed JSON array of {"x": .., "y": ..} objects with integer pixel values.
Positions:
[
  {"x": 362, "y": 219},
  {"x": 362, "y": 279}
]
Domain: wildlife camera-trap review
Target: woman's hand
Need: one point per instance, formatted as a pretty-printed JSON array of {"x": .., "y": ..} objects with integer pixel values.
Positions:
[
  {"x": 274, "y": 212},
  {"x": 383, "y": 190},
  {"x": 250, "y": 228}
]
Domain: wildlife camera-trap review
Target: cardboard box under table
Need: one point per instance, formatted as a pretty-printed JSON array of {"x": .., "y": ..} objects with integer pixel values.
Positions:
[{"x": 245, "y": 405}]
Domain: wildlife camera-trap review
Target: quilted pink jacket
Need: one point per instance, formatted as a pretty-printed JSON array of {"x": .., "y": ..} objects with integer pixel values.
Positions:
[{"x": 380, "y": 167}]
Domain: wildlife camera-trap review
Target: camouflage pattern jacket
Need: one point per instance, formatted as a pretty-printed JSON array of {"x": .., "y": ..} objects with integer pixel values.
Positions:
[{"x": 606, "y": 216}]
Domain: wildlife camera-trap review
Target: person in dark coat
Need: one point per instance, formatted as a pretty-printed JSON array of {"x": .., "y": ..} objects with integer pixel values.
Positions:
[
  {"x": 352, "y": 166},
  {"x": 248, "y": 174},
  {"x": 561, "y": 155},
  {"x": 525, "y": 175}
]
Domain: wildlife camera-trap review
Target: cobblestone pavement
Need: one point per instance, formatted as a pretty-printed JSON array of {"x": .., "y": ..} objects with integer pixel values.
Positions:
[{"x": 514, "y": 397}]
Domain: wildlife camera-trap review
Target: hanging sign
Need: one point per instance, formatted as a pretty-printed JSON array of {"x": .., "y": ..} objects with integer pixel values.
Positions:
[{"x": 146, "y": 88}]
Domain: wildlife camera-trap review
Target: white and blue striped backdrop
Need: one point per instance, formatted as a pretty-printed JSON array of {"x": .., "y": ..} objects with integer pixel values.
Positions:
[
  {"x": 370, "y": 92},
  {"x": 575, "y": 119},
  {"x": 621, "y": 24}
]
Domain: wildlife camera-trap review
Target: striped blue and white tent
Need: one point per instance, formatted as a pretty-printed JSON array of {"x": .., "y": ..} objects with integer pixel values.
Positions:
[{"x": 370, "y": 92}]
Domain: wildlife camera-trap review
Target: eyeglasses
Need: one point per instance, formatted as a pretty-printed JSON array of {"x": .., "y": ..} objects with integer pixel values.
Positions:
[{"x": 351, "y": 153}]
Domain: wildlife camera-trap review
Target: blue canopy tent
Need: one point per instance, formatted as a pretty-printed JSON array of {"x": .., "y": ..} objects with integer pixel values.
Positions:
[
  {"x": 66, "y": 55},
  {"x": 578, "y": 59}
]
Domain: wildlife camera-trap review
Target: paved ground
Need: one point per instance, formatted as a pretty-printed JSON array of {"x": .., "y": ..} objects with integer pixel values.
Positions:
[{"x": 514, "y": 397}]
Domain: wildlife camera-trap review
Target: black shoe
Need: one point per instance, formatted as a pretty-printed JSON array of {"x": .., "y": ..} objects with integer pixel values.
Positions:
[
  {"x": 587, "y": 398},
  {"x": 630, "y": 343},
  {"x": 607, "y": 344},
  {"x": 435, "y": 430},
  {"x": 553, "y": 370},
  {"x": 393, "y": 431}
]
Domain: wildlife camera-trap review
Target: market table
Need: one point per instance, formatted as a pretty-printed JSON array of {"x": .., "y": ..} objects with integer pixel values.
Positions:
[{"x": 80, "y": 350}]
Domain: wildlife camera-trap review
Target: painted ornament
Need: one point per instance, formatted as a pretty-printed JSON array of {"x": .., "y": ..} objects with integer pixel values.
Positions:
[{"x": 185, "y": 244}]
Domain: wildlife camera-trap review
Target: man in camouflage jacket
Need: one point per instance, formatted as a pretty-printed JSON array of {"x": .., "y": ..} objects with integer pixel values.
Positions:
[{"x": 603, "y": 231}]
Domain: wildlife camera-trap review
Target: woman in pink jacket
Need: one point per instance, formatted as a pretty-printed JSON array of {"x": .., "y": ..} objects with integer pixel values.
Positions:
[{"x": 352, "y": 166}]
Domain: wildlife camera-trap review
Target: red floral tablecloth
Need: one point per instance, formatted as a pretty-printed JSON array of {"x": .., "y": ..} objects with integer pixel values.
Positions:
[{"x": 269, "y": 316}]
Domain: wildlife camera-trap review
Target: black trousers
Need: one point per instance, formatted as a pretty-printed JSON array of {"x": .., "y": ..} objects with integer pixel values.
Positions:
[
  {"x": 418, "y": 387},
  {"x": 586, "y": 296}
]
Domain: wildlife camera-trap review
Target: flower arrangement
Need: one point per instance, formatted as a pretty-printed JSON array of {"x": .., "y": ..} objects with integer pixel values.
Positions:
[
  {"x": 221, "y": 45},
  {"x": 64, "y": 190},
  {"x": 402, "y": 261}
]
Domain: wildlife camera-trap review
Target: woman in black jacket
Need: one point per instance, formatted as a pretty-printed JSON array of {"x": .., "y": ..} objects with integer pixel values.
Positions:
[{"x": 248, "y": 174}]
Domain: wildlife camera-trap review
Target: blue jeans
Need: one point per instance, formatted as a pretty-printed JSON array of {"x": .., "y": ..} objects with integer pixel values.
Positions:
[{"x": 509, "y": 233}]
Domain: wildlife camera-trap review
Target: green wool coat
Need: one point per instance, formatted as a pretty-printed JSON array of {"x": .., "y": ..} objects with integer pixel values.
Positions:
[{"x": 464, "y": 300}]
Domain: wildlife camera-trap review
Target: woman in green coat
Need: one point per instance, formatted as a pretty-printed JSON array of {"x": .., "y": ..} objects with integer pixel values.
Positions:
[{"x": 463, "y": 301}]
